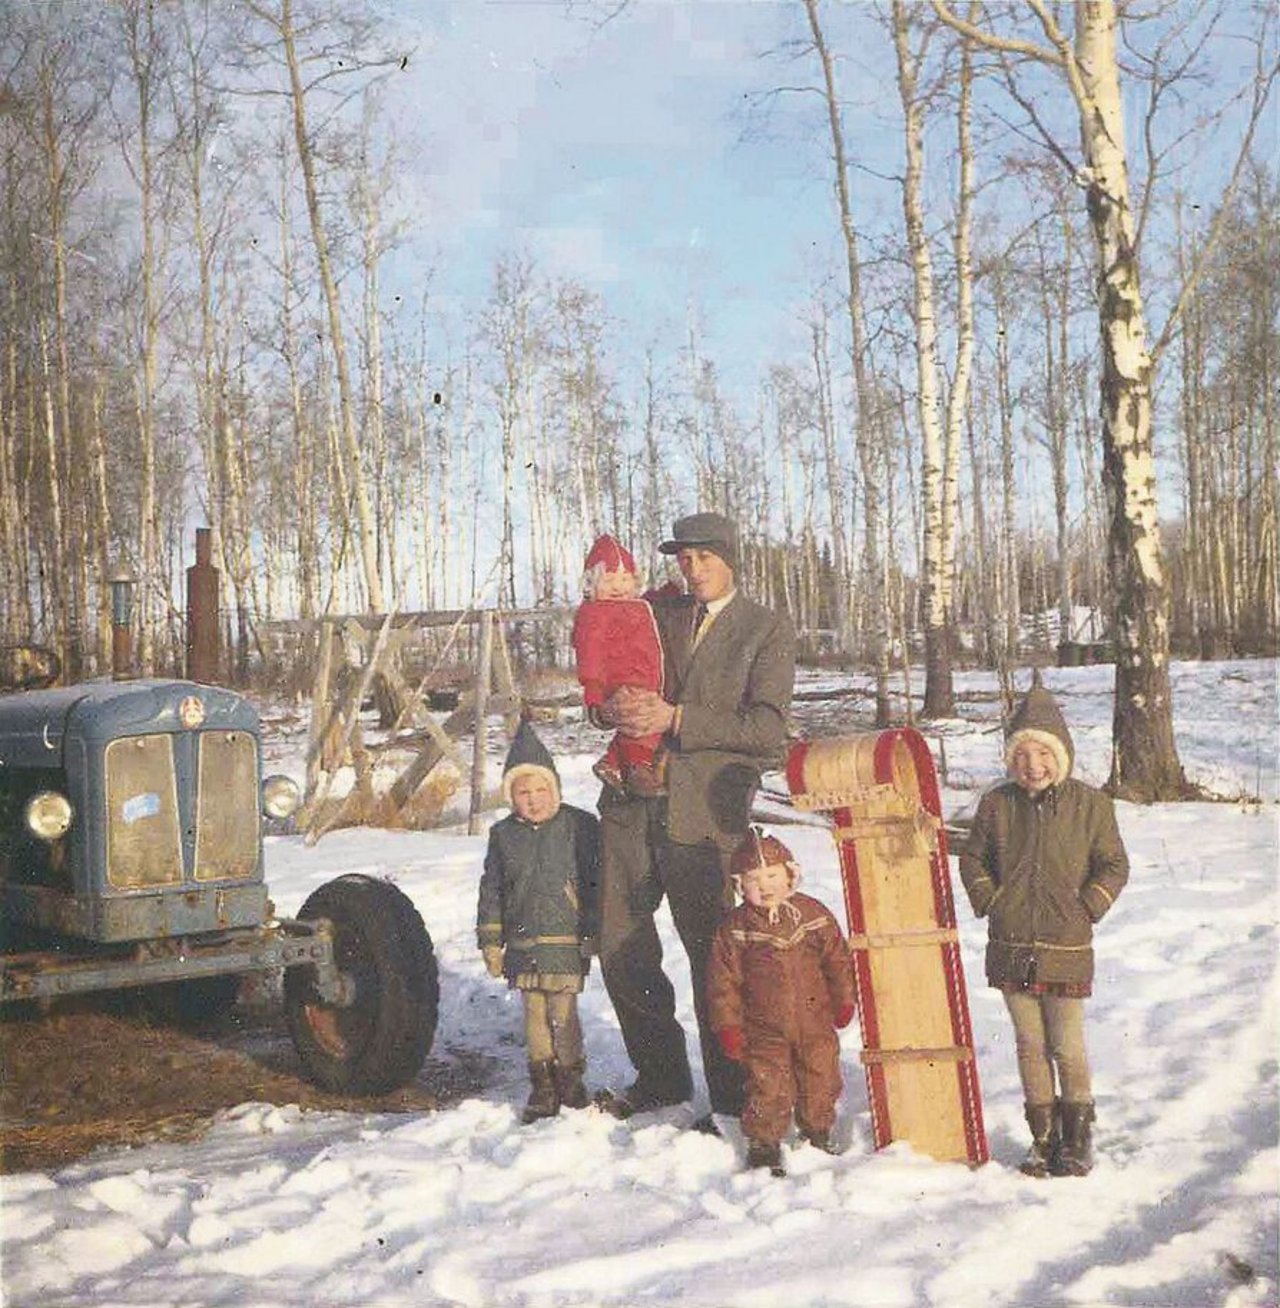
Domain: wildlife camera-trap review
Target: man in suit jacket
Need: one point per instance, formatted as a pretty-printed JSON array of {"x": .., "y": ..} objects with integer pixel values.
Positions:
[{"x": 730, "y": 668}]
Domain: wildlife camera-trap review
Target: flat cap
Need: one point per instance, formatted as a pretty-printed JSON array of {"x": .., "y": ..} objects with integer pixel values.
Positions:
[{"x": 706, "y": 531}]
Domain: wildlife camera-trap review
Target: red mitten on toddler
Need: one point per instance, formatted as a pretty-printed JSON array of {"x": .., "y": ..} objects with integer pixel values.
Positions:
[{"x": 731, "y": 1042}]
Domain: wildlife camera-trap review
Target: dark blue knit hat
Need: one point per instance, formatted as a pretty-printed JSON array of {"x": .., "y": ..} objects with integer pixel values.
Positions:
[{"x": 527, "y": 755}]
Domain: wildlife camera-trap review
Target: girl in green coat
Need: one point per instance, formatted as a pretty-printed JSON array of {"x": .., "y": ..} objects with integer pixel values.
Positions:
[
  {"x": 537, "y": 915},
  {"x": 1044, "y": 861}
]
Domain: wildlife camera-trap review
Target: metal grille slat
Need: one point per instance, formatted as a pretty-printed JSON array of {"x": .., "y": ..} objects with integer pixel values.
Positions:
[
  {"x": 144, "y": 841},
  {"x": 227, "y": 808}
]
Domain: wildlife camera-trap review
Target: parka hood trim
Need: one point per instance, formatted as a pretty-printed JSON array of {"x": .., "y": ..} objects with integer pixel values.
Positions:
[
  {"x": 512, "y": 775},
  {"x": 1038, "y": 718}
]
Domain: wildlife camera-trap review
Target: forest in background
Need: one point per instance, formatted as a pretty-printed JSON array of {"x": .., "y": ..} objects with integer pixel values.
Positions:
[{"x": 202, "y": 321}]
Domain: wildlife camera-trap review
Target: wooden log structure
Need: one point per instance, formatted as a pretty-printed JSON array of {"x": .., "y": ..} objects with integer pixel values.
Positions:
[{"x": 353, "y": 656}]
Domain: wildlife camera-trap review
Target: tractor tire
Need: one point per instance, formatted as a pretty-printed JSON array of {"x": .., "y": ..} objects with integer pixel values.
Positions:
[{"x": 378, "y": 1042}]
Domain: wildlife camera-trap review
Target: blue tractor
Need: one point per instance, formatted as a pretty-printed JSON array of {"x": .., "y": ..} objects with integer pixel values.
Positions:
[{"x": 131, "y": 824}]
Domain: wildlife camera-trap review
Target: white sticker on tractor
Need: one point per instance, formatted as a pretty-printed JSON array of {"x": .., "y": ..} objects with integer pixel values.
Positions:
[{"x": 140, "y": 806}]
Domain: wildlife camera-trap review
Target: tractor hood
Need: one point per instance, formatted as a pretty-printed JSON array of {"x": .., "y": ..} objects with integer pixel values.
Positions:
[{"x": 36, "y": 725}]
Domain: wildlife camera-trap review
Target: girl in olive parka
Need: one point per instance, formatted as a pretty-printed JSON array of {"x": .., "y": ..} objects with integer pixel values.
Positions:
[
  {"x": 537, "y": 915},
  {"x": 1044, "y": 861}
]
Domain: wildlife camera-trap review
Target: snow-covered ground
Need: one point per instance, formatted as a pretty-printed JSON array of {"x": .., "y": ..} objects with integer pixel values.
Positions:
[{"x": 465, "y": 1206}]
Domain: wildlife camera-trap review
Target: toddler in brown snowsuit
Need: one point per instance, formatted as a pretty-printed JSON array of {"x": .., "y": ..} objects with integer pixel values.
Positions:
[{"x": 779, "y": 986}]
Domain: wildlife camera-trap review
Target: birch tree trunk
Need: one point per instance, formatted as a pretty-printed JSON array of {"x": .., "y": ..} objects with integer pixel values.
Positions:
[
  {"x": 958, "y": 396},
  {"x": 304, "y": 460},
  {"x": 835, "y": 486},
  {"x": 366, "y": 201},
  {"x": 1191, "y": 407},
  {"x": 56, "y": 576},
  {"x": 1093, "y": 549},
  {"x": 984, "y": 590},
  {"x": 463, "y": 583},
  {"x": 1145, "y": 764},
  {"x": 768, "y": 553},
  {"x": 788, "y": 515},
  {"x": 139, "y": 29},
  {"x": 508, "y": 327},
  {"x": 101, "y": 534},
  {"x": 938, "y": 691},
  {"x": 366, "y": 535},
  {"x": 17, "y": 608},
  {"x": 59, "y": 435},
  {"x": 1011, "y": 590},
  {"x": 654, "y": 499},
  {"x": 1055, "y": 321},
  {"x": 1268, "y": 531},
  {"x": 196, "y": 149},
  {"x": 879, "y": 623}
]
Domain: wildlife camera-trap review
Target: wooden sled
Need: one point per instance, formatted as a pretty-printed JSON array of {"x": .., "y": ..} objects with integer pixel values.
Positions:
[{"x": 917, "y": 1043}]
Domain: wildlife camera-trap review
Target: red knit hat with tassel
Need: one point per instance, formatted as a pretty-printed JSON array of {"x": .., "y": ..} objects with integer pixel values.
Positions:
[{"x": 608, "y": 554}]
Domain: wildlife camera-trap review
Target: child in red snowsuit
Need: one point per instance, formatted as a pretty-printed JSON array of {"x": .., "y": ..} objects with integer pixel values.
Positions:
[
  {"x": 616, "y": 642},
  {"x": 779, "y": 986}
]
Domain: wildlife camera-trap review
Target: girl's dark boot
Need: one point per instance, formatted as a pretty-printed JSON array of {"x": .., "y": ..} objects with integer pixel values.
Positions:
[
  {"x": 1076, "y": 1155},
  {"x": 1042, "y": 1158},
  {"x": 544, "y": 1101},
  {"x": 569, "y": 1084}
]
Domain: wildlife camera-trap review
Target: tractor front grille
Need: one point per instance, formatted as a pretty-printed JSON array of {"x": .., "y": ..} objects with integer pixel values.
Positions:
[
  {"x": 227, "y": 807},
  {"x": 182, "y": 809},
  {"x": 144, "y": 830}
]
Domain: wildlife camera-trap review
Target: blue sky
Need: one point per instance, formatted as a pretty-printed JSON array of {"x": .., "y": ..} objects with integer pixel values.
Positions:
[
  {"x": 644, "y": 158},
  {"x": 628, "y": 156}
]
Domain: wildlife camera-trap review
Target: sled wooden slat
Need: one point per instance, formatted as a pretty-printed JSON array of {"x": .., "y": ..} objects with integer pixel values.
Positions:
[
  {"x": 905, "y": 939},
  {"x": 956, "y": 1054},
  {"x": 922, "y": 1079}
]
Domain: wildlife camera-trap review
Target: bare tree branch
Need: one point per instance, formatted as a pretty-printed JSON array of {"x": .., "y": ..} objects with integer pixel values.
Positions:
[
  {"x": 1263, "y": 84},
  {"x": 1160, "y": 82},
  {"x": 982, "y": 37},
  {"x": 1046, "y": 137}
]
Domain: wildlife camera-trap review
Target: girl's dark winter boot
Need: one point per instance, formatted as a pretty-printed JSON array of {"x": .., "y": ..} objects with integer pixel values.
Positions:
[
  {"x": 569, "y": 1084},
  {"x": 1042, "y": 1158},
  {"x": 544, "y": 1101},
  {"x": 1076, "y": 1155}
]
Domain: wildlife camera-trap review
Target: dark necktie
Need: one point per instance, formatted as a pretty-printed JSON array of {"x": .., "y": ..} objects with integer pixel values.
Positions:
[{"x": 699, "y": 617}]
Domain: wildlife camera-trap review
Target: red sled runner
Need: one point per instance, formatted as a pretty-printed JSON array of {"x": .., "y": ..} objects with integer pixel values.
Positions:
[{"x": 917, "y": 1043}]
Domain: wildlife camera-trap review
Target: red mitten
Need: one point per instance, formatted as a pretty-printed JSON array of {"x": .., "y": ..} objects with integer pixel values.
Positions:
[
  {"x": 845, "y": 1016},
  {"x": 731, "y": 1042}
]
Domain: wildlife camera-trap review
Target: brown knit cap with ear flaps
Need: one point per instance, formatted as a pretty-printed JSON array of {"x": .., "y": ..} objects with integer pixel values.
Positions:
[
  {"x": 759, "y": 850},
  {"x": 1038, "y": 718}
]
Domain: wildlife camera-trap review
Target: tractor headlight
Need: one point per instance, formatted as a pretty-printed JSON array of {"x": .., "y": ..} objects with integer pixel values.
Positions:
[
  {"x": 280, "y": 796},
  {"x": 49, "y": 815}
]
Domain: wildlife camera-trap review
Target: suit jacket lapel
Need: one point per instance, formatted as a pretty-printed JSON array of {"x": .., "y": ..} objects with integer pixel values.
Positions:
[{"x": 719, "y": 636}]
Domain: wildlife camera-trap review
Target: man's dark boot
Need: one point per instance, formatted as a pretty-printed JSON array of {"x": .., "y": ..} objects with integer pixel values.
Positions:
[
  {"x": 543, "y": 1098},
  {"x": 1076, "y": 1155},
  {"x": 1041, "y": 1158},
  {"x": 637, "y": 1098},
  {"x": 569, "y": 1084}
]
